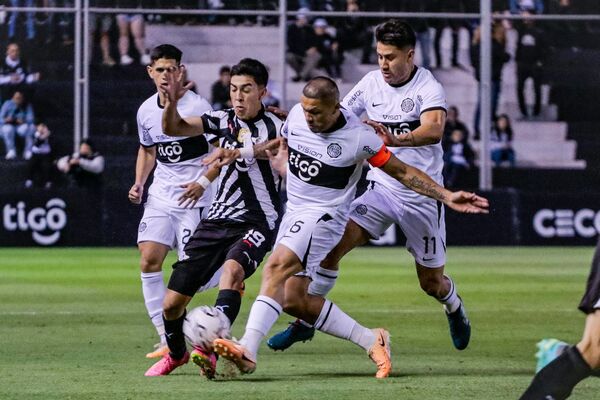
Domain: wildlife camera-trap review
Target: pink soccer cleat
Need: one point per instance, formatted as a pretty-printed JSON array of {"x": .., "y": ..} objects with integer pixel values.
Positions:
[
  {"x": 166, "y": 365},
  {"x": 207, "y": 361}
]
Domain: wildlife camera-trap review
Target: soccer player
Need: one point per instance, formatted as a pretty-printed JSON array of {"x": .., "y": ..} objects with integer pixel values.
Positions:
[
  {"x": 575, "y": 363},
  {"x": 165, "y": 223},
  {"x": 241, "y": 223},
  {"x": 407, "y": 106},
  {"x": 327, "y": 147}
]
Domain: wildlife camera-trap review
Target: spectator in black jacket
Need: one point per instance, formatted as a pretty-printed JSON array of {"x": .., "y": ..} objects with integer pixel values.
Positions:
[
  {"x": 328, "y": 48},
  {"x": 355, "y": 33},
  {"x": 529, "y": 57},
  {"x": 219, "y": 91},
  {"x": 40, "y": 164},
  {"x": 15, "y": 74},
  {"x": 302, "y": 54},
  {"x": 458, "y": 158},
  {"x": 84, "y": 168},
  {"x": 453, "y": 123}
]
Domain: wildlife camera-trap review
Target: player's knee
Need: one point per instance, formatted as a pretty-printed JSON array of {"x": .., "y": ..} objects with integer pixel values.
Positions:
[
  {"x": 150, "y": 263},
  {"x": 277, "y": 270},
  {"x": 590, "y": 351},
  {"x": 173, "y": 308}
]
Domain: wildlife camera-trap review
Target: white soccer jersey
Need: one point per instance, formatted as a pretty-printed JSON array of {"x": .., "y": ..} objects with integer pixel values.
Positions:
[
  {"x": 248, "y": 189},
  {"x": 323, "y": 168},
  {"x": 399, "y": 108},
  {"x": 179, "y": 159}
]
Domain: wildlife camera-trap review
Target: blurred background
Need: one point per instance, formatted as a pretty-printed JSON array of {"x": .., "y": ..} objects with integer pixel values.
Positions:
[{"x": 74, "y": 75}]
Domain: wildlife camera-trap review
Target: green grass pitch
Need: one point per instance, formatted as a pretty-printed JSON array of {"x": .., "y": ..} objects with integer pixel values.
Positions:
[{"x": 73, "y": 326}]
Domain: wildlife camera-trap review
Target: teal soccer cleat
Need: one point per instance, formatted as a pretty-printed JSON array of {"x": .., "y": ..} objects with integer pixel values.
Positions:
[
  {"x": 460, "y": 327},
  {"x": 548, "y": 350},
  {"x": 295, "y": 332}
]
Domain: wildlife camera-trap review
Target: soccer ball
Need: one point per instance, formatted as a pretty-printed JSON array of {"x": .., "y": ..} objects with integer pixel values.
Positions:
[{"x": 204, "y": 324}]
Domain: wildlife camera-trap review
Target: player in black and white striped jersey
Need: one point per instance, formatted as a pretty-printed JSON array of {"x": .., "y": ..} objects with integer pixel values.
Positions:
[{"x": 243, "y": 218}]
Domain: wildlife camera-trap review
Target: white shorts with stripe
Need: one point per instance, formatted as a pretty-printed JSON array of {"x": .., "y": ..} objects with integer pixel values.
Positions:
[
  {"x": 170, "y": 226},
  {"x": 423, "y": 223},
  {"x": 311, "y": 234}
]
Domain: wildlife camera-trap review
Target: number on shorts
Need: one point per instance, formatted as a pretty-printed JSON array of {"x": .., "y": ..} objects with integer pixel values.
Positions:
[
  {"x": 255, "y": 237},
  {"x": 187, "y": 233},
  {"x": 297, "y": 226},
  {"x": 433, "y": 244}
]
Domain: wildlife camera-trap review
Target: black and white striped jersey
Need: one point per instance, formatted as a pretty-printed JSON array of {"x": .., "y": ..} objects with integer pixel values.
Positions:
[{"x": 247, "y": 189}]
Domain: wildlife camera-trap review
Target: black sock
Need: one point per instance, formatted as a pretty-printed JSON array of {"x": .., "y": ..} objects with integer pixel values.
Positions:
[
  {"x": 175, "y": 338},
  {"x": 229, "y": 301},
  {"x": 557, "y": 379}
]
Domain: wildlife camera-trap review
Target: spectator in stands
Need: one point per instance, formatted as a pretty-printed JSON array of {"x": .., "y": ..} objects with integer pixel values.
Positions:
[
  {"x": 499, "y": 58},
  {"x": 529, "y": 57},
  {"x": 17, "y": 119},
  {"x": 302, "y": 54},
  {"x": 15, "y": 74},
  {"x": 354, "y": 33},
  {"x": 133, "y": 24},
  {"x": 102, "y": 23},
  {"x": 421, "y": 27},
  {"x": 453, "y": 123},
  {"x": 501, "y": 141},
  {"x": 441, "y": 24},
  {"x": 84, "y": 168},
  {"x": 40, "y": 165},
  {"x": 14, "y": 16},
  {"x": 561, "y": 33},
  {"x": 219, "y": 90},
  {"x": 530, "y": 6},
  {"x": 458, "y": 158},
  {"x": 328, "y": 48}
]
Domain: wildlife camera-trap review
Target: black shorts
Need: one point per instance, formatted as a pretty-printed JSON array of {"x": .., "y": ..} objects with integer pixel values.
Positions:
[
  {"x": 591, "y": 299},
  {"x": 212, "y": 244}
]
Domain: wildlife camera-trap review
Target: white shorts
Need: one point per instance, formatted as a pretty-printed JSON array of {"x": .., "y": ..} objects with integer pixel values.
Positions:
[
  {"x": 423, "y": 223},
  {"x": 311, "y": 234},
  {"x": 170, "y": 226}
]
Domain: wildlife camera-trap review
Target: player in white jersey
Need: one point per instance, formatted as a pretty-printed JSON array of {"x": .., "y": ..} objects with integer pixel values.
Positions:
[
  {"x": 407, "y": 106},
  {"x": 166, "y": 224},
  {"x": 327, "y": 147},
  {"x": 240, "y": 226}
]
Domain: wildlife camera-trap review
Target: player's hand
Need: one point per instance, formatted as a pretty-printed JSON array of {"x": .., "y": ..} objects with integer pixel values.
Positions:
[
  {"x": 469, "y": 203},
  {"x": 279, "y": 157},
  {"x": 135, "y": 193},
  {"x": 381, "y": 131},
  {"x": 220, "y": 157},
  {"x": 174, "y": 84},
  {"x": 279, "y": 112},
  {"x": 193, "y": 192}
]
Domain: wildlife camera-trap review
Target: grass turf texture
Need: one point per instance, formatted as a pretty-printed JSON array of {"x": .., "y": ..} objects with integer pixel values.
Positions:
[{"x": 74, "y": 326}]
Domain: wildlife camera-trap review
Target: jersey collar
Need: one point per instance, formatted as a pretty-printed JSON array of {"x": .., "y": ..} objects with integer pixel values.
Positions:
[{"x": 412, "y": 75}]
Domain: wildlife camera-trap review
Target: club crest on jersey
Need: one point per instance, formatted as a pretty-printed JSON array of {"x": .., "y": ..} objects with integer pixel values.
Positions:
[
  {"x": 242, "y": 133},
  {"x": 361, "y": 209},
  {"x": 142, "y": 227},
  {"x": 334, "y": 150},
  {"x": 407, "y": 105}
]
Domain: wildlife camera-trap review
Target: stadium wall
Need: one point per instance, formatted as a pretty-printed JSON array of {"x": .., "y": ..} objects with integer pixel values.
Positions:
[{"x": 82, "y": 218}]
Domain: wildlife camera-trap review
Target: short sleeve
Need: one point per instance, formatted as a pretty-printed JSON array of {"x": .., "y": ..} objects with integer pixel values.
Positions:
[
  {"x": 369, "y": 143},
  {"x": 355, "y": 99},
  {"x": 143, "y": 132},
  {"x": 433, "y": 97},
  {"x": 211, "y": 124},
  {"x": 197, "y": 107}
]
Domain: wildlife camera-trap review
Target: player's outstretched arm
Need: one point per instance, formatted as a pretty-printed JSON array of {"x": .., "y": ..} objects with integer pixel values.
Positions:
[
  {"x": 195, "y": 190},
  {"x": 143, "y": 166},
  {"x": 422, "y": 183},
  {"x": 221, "y": 156},
  {"x": 173, "y": 89}
]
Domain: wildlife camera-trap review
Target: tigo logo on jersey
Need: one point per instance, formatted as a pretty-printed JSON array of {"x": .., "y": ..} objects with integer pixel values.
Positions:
[
  {"x": 172, "y": 151},
  {"x": 306, "y": 169},
  {"x": 45, "y": 223}
]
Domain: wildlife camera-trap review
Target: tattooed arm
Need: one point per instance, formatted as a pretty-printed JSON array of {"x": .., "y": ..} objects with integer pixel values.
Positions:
[{"x": 415, "y": 179}]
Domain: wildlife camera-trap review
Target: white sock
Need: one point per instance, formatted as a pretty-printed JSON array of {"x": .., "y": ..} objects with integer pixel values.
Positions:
[
  {"x": 451, "y": 301},
  {"x": 153, "y": 288},
  {"x": 337, "y": 323},
  {"x": 263, "y": 315}
]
